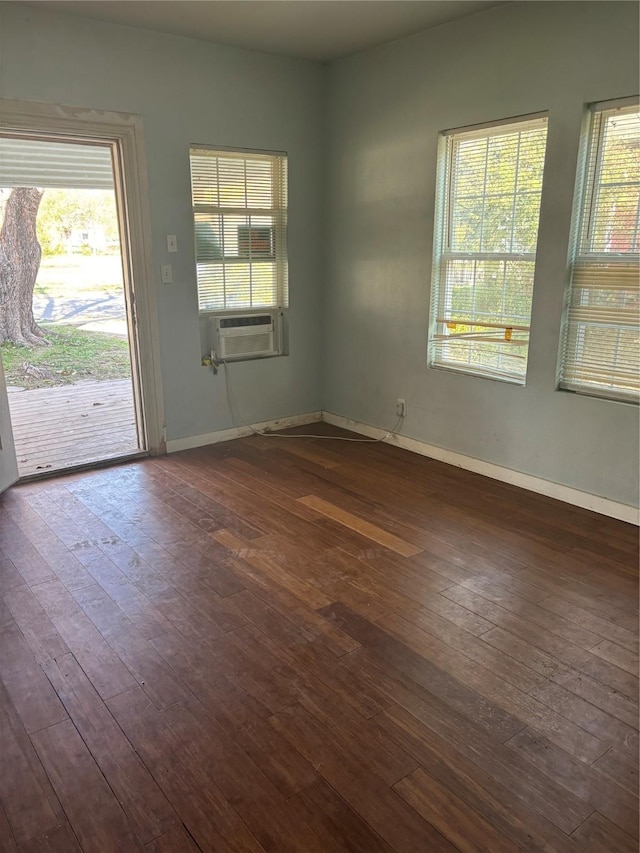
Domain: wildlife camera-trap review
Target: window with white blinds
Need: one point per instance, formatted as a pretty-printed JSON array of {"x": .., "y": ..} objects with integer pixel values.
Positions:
[
  {"x": 601, "y": 340},
  {"x": 240, "y": 214},
  {"x": 488, "y": 206}
]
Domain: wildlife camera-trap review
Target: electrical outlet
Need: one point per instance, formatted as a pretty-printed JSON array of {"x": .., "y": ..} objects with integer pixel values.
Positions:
[{"x": 401, "y": 407}]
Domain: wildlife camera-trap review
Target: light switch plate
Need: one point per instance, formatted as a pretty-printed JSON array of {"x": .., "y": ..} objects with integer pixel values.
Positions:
[
  {"x": 167, "y": 273},
  {"x": 172, "y": 243}
]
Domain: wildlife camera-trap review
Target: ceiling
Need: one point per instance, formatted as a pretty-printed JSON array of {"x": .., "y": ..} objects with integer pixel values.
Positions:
[{"x": 309, "y": 29}]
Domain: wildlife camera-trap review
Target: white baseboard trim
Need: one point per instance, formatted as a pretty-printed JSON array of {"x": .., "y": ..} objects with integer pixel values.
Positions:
[
  {"x": 190, "y": 441},
  {"x": 569, "y": 495}
]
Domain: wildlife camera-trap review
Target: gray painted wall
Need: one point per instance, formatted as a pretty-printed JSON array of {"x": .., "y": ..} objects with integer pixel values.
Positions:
[
  {"x": 385, "y": 108},
  {"x": 361, "y": 138},
  {"x": 193, "y": 91}
]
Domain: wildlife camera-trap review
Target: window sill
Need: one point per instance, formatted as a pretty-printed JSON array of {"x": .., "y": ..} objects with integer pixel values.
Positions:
[
  {"x": 506, "y": 380},
  {"x": 597, "y": 394}
]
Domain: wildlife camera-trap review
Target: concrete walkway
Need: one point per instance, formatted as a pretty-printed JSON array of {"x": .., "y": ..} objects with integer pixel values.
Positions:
[{"x": 95, "y": 312}]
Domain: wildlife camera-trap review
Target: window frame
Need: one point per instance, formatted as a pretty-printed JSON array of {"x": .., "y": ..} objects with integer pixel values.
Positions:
[
  {"x": 580, "y": 255},
  {"x": 443, "y": 253},
  {"x": 278, "y": 212}
]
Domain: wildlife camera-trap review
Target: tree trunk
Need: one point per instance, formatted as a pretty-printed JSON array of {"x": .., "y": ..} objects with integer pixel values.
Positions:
[{"x": 19, "y": 263}]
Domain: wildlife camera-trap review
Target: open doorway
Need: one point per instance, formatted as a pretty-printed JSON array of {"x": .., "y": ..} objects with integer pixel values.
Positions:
[{"x": 67, "y": 325}]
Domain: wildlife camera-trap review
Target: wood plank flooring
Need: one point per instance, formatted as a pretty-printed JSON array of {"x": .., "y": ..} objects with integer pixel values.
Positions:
[
  {"x": 68, "y": 425},
  {"x": 313, "y": 646}
]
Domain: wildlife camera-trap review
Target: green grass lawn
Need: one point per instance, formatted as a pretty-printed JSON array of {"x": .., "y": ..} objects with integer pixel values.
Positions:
[{"x": 74, "y": 355}]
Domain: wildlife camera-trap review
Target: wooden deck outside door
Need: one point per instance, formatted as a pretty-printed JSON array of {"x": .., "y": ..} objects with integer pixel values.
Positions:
[{"x": 8, "y": 461}]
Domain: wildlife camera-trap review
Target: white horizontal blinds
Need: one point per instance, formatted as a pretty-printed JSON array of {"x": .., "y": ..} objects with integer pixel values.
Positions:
[
  {"x": 59, "y": 164},
  {"x": 240, "y": 207},
  {"x": 493, "y": 184},
  {"x": 601, "y": 347},
  {"x": 281, "y": 199}
]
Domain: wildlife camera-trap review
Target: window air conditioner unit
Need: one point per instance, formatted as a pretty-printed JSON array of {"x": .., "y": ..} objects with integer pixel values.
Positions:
[{"x": 247, "y": 336}]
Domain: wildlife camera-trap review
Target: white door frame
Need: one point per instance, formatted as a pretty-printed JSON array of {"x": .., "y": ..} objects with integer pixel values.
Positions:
[{"x": 124, "y": 131}]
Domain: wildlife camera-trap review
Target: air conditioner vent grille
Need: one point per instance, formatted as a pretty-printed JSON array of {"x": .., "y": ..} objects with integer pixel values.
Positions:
[
  {"x": 253, "y": 320},
  {"x": 248, "y": 345}
]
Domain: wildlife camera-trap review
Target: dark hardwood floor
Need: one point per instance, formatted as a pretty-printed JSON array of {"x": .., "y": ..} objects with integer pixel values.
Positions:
[{"x": 296, "y": 645}]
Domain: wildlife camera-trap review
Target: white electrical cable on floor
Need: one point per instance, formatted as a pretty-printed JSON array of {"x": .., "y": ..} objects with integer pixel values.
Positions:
[{"x": 232, "y": 403}]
